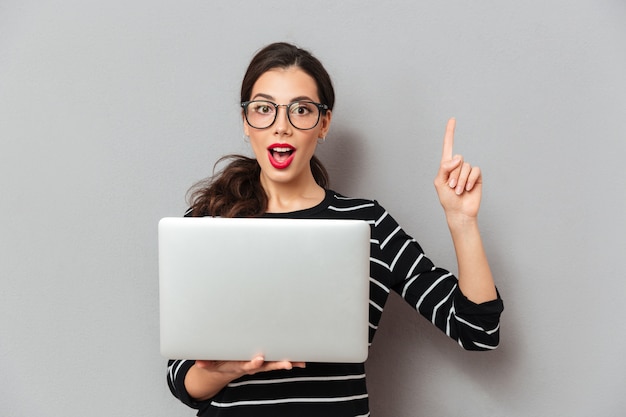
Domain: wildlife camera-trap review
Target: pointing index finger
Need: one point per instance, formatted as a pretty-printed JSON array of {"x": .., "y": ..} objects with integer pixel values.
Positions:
[{"x": 448, "y": 140}]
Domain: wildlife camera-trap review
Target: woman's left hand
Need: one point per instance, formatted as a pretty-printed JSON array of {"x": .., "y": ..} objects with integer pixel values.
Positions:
[{"x": 458, "y": 184}]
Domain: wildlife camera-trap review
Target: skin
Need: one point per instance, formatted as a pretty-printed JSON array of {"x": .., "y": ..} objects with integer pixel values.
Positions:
[{"x": 458, "y": 186}]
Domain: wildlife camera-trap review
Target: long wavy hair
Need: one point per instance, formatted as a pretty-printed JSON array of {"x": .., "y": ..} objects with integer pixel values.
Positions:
[{"x": 235, "y": 190}]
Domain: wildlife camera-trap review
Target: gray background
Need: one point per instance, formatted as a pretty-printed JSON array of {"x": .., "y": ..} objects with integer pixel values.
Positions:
[{"x": 110, "y": 110}]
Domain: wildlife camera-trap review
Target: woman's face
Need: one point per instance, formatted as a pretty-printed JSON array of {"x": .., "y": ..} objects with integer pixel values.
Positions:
[{"x": 283, "y": 151}]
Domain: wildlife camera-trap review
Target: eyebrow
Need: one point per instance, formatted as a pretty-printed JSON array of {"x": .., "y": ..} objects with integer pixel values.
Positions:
[{"x": 269, "y": 97}]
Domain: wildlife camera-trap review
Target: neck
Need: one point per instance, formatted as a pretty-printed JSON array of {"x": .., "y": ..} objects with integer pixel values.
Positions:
[{"x": 288, "y": 197}]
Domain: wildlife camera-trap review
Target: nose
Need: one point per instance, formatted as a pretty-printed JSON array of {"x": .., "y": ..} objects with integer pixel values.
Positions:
[{"x": 282, "y": 124}]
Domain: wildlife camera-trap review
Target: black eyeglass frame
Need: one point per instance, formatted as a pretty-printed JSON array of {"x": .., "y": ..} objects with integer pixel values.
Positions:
[{"x": 322, "y": 107}]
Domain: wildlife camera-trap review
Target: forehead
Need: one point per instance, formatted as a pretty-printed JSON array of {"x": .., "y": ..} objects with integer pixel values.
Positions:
[{"x": 286, "y": 84}]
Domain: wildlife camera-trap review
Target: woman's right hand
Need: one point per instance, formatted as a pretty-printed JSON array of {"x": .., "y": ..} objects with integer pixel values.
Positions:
[
  {"x": 241, "y": 368},
  {"x": 206, "y": 378}
]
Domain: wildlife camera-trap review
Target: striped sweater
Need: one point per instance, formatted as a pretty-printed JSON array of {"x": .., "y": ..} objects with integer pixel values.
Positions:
[{"x": 397, "y": 263}]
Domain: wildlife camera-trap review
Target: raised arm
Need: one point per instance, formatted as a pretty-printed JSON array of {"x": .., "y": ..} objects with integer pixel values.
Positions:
[{"x": 459, "y": 187}]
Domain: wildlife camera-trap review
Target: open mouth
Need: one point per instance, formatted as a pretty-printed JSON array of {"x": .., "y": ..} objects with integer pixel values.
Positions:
[{"x": 281, "y": 156}]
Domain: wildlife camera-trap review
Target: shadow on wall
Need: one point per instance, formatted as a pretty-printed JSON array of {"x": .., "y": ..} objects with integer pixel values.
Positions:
[
  {"x": 343, "y": 155},
  {"x": 409, "y": 348}
]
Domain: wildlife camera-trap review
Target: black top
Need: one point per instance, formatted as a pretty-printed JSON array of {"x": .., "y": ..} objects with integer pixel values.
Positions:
[{"x": 397, "y": 263}]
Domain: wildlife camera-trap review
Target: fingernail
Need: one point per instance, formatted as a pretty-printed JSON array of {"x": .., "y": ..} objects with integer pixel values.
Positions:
[{"x": 452, "y": 183}]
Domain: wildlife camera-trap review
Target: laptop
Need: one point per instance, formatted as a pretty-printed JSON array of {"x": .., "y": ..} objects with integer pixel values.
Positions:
[{"x": 287, "y": 289}]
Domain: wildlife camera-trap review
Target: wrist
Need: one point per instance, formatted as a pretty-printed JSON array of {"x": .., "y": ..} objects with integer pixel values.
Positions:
[
  {"x": 204, "y": 382},
  {"x": 461, "y": 223}
]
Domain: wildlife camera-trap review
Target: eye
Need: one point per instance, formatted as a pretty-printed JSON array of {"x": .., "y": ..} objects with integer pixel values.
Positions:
[
  {"x": 262, "y": 107},
  {"x": 302, "y": 108}
]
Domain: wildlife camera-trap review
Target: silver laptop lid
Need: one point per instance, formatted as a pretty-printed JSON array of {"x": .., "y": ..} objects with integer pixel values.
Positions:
[{"x": 289, "y": 289}]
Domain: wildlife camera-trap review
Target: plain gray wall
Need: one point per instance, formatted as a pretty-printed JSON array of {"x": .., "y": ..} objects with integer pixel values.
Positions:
[{"x": 110, "y": 110}]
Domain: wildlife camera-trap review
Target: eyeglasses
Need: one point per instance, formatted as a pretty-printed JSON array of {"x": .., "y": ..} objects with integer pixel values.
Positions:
[{"x": 303, "y": 115}]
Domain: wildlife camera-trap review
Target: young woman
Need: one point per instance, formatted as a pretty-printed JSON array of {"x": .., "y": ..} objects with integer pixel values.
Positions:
[{"x": 287, "y": 100}]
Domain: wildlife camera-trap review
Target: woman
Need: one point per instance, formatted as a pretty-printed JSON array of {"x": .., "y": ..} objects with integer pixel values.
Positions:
[{"x": 287, "y": 100}]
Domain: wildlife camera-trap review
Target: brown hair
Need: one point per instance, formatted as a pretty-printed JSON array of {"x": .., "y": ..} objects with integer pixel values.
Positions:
[{"x": 236, "y": 191}]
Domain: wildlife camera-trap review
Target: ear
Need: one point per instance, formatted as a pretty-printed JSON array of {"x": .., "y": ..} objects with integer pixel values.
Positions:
[
  {"x": 246, "y": 127},
  {"x": 325, "y": 123}
]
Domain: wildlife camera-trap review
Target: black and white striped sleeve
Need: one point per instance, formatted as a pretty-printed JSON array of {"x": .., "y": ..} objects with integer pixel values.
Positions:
[
  {"x": 176, "y": 372},
  {"x": 433, "y": 291}
]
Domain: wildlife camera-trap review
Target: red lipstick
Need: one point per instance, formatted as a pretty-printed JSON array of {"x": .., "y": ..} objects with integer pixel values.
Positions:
[{"x": 280, "y": 155}]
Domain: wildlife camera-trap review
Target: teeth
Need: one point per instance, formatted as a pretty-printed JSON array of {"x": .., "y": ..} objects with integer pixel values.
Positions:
[{"x": 281, "y": 149}]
